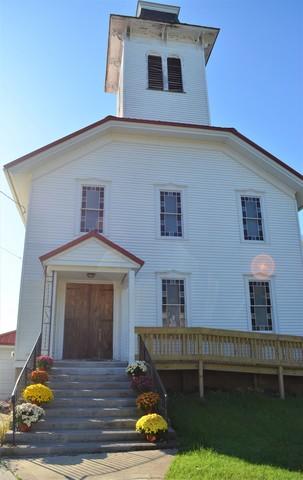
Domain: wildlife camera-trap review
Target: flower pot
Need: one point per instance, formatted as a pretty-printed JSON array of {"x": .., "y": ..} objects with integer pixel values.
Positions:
[
  {"x": 151, "y": 437},
  {"x": 22, "y": 427}
]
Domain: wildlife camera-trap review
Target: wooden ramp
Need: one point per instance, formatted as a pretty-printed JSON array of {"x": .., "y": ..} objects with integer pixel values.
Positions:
[{"x": 224, "y": 350}]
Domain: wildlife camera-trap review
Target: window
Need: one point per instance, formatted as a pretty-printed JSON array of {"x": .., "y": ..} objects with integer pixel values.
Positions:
[
  {"x": 170, "y": 214},
  {"x": 260, "y": 305},
  {"x": 252, "y": 218},
  {"x": 173, "y": 303},
  {"x": 155, "y": 74},
  {"x": 92, "y": 208},
  {"x": 174, "y": 73}
]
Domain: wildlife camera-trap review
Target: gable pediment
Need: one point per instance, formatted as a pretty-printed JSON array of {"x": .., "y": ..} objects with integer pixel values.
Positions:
[{"x": 92, "y": 250}]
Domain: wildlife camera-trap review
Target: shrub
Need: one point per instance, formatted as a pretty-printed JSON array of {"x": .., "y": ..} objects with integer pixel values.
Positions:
[
  {"x": 148, "y": 401},
  {"x": 28, "y": 413},
  {"x": 143, "y": 383},
  {"x": 137, "y": 368},
  {"x": 38, "y": 393},
  {"x": 39, "y": 376},
  {"x": 4, "y": 426},
  {"x": 151, "y": 424},
  {"x": 44, "y": 361}
]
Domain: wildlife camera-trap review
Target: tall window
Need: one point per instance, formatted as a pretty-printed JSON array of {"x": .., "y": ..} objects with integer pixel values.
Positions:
[
  {"x": 92, "y": 208},
  {"x": 170, "y": 214},
  {"x": 252, "y": 218},
  {"x": 155, "y": 74},
  {"x": 174, "y": 73},
  {"x": 173, "y": 303},
  {"x": 260, "y": 305}
]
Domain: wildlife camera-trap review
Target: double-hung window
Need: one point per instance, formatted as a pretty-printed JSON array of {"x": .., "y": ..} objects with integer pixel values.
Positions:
[
  {"x": 92, "y": 208},
  {"x": 260, "y": 305},
  {"x": 253, "y": 228},
  {"x": 171, "y": 221},
  {"x": 173, "y": 302}
]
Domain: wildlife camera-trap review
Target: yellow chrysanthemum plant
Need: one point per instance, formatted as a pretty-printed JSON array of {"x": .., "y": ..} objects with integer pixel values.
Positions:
[
  {"x": 38, "y": 394},
  {"x": 152, "y": 426}
]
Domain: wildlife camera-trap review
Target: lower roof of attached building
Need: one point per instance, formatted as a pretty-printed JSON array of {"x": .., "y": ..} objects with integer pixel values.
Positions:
[{"x": 8, "y": 338}]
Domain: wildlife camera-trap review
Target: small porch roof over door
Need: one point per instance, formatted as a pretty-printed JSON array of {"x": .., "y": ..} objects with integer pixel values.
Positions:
[{"x": 91, "y": 250}]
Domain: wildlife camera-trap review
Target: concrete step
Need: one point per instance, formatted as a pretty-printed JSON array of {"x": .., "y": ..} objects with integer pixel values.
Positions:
[
  {"x": 88, "y": 402},
  {"x": 75, "y": 384},
  {"x": 88, "y": 377},
  {"x": 88, "y": 371},
  {"x": 85, "y": 423},
  {"x": 90, "y": 363},
  {"x": 94, "y": 393},
  {"x": 82, "y": 447},
  {"x": 92, "y": 412},
  {"x": 78, "y": 436}
]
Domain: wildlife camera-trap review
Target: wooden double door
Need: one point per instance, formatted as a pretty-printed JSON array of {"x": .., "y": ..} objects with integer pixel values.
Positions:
[{"x": 88, "y": 324}]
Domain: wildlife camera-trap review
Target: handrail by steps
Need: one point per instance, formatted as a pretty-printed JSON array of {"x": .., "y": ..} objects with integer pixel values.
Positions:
[
  {"x": 22, "y": 380},
  {"x": 157, "y": 382}
]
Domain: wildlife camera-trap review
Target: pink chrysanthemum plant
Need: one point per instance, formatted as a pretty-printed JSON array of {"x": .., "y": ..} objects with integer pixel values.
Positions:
[{"x": 44, "y": 362}]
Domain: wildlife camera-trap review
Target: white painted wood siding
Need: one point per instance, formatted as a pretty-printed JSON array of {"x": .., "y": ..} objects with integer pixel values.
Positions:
[
  {"x": 213, "y": 256},
  {"x": 137, "y": 101},
  {"x": 7, "y": 371}
]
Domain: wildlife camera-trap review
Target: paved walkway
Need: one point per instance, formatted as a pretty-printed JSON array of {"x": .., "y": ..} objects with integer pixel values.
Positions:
[{"x": 139, "y": 465}]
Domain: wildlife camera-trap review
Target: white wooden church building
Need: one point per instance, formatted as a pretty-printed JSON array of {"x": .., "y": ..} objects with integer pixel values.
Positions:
[{"x": 154, "y": 217}]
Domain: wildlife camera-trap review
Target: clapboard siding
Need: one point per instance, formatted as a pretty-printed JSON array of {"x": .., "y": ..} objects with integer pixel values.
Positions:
[
  {"x": 7, "y": 371},
  {"x": 213, "y": 256},
  {"x": 137, "y": 101}
]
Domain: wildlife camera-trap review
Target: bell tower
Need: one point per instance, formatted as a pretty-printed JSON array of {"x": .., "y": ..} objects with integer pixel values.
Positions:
[{"x": 156, "y": 65}]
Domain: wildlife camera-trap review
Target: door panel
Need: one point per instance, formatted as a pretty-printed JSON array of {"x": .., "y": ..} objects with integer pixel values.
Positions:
[
  {"x": 88, "y": 326},
  {"x": 101, "y": 321}
]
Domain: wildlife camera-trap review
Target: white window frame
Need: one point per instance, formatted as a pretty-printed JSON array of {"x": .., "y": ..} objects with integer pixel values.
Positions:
[
  {"x": 174, "y": 275},
  {"x": 271, "y": 281},
  {"x": 94, "y": 182},
  {"x": 171, "y": 188},
  {"x": 261, "y": 196}
]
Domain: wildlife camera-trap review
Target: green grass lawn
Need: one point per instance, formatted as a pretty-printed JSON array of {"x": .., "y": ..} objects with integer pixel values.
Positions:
[{"x": 237, "y": 436}]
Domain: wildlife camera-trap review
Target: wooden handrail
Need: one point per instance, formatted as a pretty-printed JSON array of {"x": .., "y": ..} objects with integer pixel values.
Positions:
[{"x": 230, "y": 346}]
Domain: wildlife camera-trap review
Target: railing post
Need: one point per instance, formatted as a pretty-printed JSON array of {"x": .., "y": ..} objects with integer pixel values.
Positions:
[
  {"x": 201, "y": 379},
  {"x": 14, "y": 418},
  {"x": 281, "y": 382}
]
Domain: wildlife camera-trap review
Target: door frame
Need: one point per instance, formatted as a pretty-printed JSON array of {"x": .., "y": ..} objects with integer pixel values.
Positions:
[{"x": 58, "y": 330}]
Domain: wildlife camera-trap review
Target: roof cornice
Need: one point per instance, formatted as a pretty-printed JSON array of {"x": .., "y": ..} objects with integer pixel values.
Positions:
[{"x": 110, "y": 119}]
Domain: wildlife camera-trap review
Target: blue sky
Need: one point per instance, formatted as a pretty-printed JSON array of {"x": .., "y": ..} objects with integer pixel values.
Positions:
[{"x": 52, "y": 61}]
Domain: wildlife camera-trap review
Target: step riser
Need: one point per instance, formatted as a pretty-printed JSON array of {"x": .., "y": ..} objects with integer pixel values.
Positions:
[
  {"x": 87, "y": 364},
  {"x": 67, "y": 403},
  {"x": 88, "y": 371},
  {"x": 92, "y": 412},
  {"x": 82, "y": 448},
  {"x": 82, "y": 424},
  {"x": 80, "y": 393},
  {"x": 37, "y": 438},
  {"x": 76, "y": 385},
  {"x": 90, "y": 377}
]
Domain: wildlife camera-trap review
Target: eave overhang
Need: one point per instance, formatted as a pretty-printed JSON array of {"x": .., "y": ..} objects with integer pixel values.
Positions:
[
  {"x": 19, "y": 171},
  {"x": 122, "y": 26}
]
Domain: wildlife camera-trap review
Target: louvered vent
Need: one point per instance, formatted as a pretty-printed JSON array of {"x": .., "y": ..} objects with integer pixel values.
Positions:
[
  {"x": 155, "y": 74},
  {"x": 175, "y": 83}
]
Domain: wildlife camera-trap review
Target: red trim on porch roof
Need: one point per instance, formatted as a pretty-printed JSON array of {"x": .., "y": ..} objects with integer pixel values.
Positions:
[
  {"x": 155, "y": 122},
  {"x": 8, "y": 338},
  {"x": 98, "y": 236}
]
